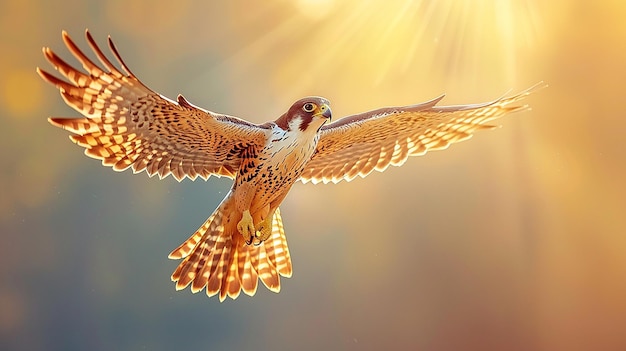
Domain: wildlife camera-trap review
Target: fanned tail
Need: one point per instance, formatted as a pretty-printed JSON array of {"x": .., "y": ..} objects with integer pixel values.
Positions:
[{"x": 217, "y": 257}]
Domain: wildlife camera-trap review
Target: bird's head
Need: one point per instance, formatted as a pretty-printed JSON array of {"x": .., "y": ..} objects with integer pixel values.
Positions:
[{"x": 306, "y": 114}]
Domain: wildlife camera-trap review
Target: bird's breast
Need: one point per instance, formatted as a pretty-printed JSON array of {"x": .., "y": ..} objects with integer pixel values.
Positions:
[
  {"x": 290, "y": 150},
  {"x": 282, "y": 160}
]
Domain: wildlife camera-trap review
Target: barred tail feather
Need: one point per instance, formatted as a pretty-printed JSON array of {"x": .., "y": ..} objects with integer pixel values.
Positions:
[{"x": 217, "y": 258}]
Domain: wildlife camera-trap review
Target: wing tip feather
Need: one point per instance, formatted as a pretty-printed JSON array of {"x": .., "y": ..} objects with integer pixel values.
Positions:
[{"x": 55, "y": 121}]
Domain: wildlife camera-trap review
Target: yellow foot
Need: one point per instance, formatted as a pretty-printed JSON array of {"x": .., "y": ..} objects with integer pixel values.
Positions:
[
  {"x": 246, "y": 227},
  {"x": 264, "y": 230}
]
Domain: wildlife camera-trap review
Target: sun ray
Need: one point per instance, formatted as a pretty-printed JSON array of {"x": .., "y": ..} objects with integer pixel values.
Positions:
[{"x": 307, "y": 43}]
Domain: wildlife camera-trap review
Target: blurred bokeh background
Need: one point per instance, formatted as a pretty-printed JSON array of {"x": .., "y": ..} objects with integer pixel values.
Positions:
[{"x": 514, "y": 240}]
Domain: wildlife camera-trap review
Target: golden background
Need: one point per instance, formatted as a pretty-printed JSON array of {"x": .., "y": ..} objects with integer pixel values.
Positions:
[{"x": 515, "y": 240}]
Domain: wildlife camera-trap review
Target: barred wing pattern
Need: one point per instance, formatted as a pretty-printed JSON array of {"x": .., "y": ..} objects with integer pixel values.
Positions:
[
  {"x": 129, "y": 125},
  {"x": 357, "y": 145}
]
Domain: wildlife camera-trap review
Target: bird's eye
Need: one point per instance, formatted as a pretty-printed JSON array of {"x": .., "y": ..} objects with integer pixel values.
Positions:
[{"x": 308, "y": 107}]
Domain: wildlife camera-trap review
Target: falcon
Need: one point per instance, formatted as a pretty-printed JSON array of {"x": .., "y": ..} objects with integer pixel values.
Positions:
[{"x": 127, "y": 125}]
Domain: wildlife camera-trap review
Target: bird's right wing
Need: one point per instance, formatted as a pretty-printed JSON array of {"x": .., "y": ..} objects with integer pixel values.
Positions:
[
  {"x": 356, "y": 145},
  {"x": 128, "y": 125}
]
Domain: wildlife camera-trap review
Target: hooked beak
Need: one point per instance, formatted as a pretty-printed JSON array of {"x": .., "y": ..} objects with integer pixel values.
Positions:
[{"x": 324, "y": 110}]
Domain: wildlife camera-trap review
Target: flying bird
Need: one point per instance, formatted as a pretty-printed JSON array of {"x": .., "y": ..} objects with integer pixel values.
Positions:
[{"x": 127, "y": 125}]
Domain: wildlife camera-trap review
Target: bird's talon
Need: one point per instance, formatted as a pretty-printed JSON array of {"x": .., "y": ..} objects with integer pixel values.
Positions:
[
  {"x": 264, "y": 230},
  {"x": 246, "y": 227}
]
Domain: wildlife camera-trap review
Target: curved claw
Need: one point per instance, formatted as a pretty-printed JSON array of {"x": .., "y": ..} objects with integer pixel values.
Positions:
[
  {"x": 264, "y": 229},
  {"x": 246, "y": 227}
]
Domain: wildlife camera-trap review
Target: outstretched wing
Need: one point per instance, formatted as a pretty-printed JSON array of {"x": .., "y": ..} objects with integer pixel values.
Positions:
[
  {"x": 128, "y": 125},
  {"x": 358, "y": 144}
]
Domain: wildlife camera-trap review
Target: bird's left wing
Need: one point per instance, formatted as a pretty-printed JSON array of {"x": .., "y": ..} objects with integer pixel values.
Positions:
[
  {"x": 357, "y": 145},
  {"x": 127, "y": 124}
]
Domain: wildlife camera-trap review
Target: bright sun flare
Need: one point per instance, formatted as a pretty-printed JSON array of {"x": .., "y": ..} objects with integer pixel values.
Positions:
[{"x": 374, "y": 41}]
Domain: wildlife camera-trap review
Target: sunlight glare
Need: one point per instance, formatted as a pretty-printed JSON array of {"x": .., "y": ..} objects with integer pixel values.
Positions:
[
  {"x": 371, "y": 44},
  {"x": 315, "y": 9}
]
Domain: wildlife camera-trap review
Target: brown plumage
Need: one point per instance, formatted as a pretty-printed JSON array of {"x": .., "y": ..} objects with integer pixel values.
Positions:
[{"x": 127, "y": 125}]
